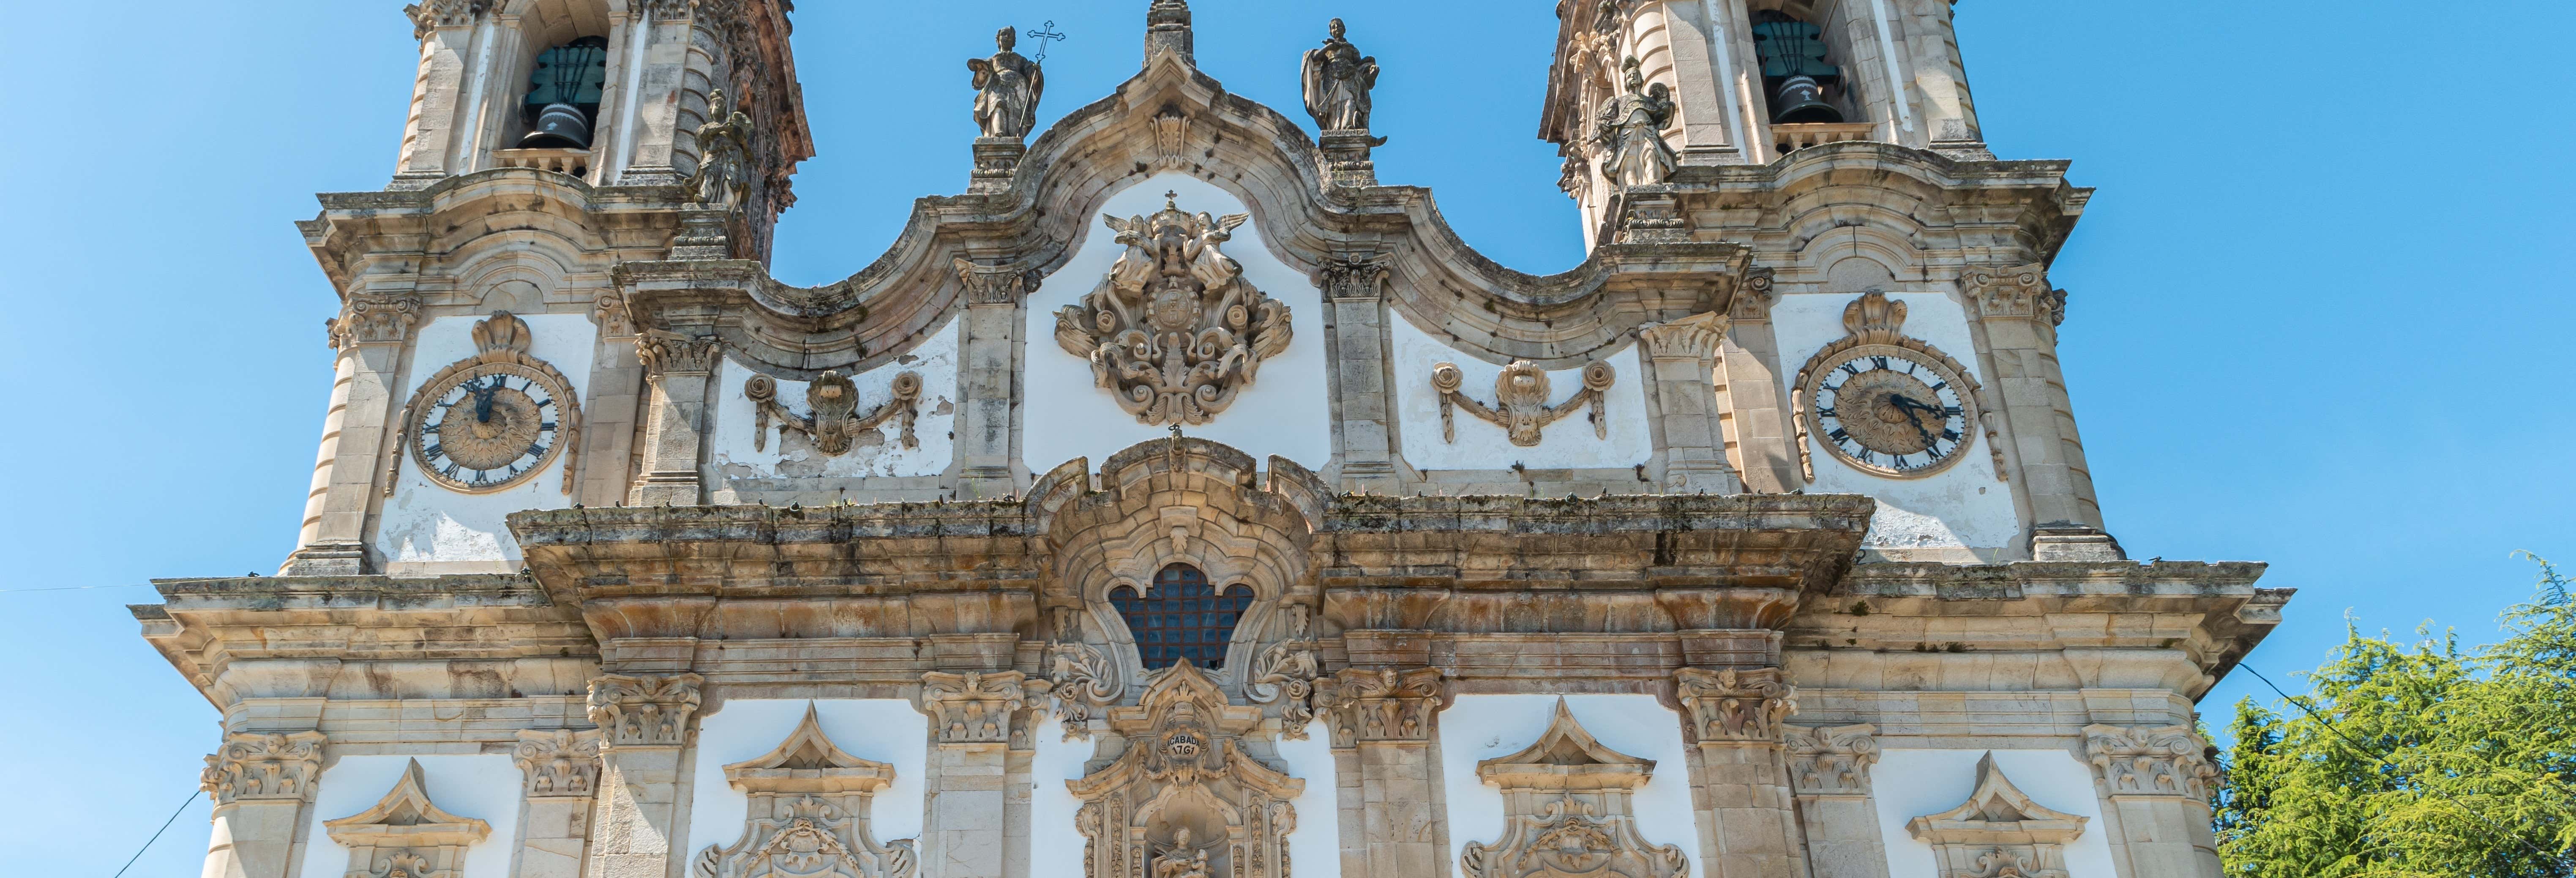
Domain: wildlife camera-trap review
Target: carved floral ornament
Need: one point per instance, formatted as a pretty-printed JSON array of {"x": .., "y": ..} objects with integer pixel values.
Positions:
[
  {"x": 1284, "y": 674},
  {"x": 1381, "y": 704},
  {"x": 1184, "y": 800},
  {"x": 559, "y": 763},
  {"x": 492, "y": 421},
  {"x": 2021, "y": 291},
  {"x": 973, "y": 707},
  {"x": 1520, "y": 404},
  {"x": 2151, "y": 761},
  {"x": 1567, "y": 811},
  {"x": 807, "y": 815},
  {"x": 835, "y": 422},
  {"x": 1998, "y": 832},
  {"x": 1886, "y": 403},
  {"x": 406, "y": 836},
  {"x": 1731, "y": 704},
  {"x": 1174, "y": 332},
  {"x": 643, "y": 710},
  {"x": 372, "y": 318},
  {"x": 253, "y": 766},
  {"x": 1831, "y": 761}
]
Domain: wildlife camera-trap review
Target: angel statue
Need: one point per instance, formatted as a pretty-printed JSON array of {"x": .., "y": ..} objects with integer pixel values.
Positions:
[
  {"x": 1174, "y": 331},
  {"x": 1338, "y": 79},
  {"x": 1007, "y": 87},
  {"x": 724, "y": 156},
  {"x": 1630, "y": 132}
]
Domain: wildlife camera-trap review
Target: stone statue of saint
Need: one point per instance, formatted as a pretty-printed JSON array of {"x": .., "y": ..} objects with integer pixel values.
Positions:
[
  {"x": 1630, "y": 132},
  {"x": 724, "y": 156},
  {"x": 1181, "y": 860},
  {"x": 1338, "y": 79},
  {"x": 1007, "y": 87}
]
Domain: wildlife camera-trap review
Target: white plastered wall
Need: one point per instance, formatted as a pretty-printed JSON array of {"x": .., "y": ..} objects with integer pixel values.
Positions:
[
  {"x": 1480, "y": 727},
  {"x": 887, "y": 730},
  {"x": 1314, "y": 849},
  {"x": 1481, "y": 445},
  {"x": 426, "y": 530},
  {"x": 1910, "y": 783},
  {"x": 483, "y": 787},
  {"x": 1287, "y": 411},
  {"x": 1962, "y": 506},
  {"x": 791, "y": 454}
]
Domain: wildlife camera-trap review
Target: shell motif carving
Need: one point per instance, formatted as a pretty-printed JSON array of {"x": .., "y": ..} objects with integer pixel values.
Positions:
[{"x": 1174, "y": 332}]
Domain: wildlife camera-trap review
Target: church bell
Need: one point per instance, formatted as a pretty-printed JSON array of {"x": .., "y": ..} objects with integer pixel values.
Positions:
[
  {"x": 564, "y": 92},
  {"x": 1802, "y": 99},
  {"x": 1794, "y": 69}
]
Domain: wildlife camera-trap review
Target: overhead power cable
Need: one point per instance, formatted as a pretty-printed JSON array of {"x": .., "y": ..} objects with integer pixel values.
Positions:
[{"x": 156, "y": 834}]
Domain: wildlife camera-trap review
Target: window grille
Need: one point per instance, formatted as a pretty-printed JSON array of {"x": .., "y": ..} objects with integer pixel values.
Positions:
[{"x": 1181, "y": 617}]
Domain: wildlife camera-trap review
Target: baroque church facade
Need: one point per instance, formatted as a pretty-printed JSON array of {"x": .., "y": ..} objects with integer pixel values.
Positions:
[{"x": 1180, "y": 501}]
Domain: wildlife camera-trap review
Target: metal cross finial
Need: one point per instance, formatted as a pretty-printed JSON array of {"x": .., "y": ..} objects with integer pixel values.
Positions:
[
  {"x": 1042, "y": 34},
  {"x": 1171, "y": 201}
]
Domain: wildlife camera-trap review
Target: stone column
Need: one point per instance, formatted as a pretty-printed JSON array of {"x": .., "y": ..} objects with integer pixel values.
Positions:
[
  {"x": 671, "y": 94},
  {"x": 260, "y": 783},
  {"x": 1747, "y": 827},
  {"x": 988, "y": 418},
  {"x": 1829, "y": 773},
  {"x": 1393, "y": 820},
  {"x": 1355, "y": 333},
  {"x": 369, "y": 334},
  {"x": 562, "y": 771},
  {"x": 679, "y": 368},
  {"x": 1681, "y": 359},
  {"x": 1930, "y": 47},
  {"x": 446, "y": 33},
  {"x": 644, "y": 724},
  {"x": 2019, "y": 314},
  {"x": 2157, "y": 780},
  {"x": 616, "y": 395},
  {"x": 974, "y": 718},
  {"x": 1753, "y": 410},
  {"x": 1710, "y": 130}
]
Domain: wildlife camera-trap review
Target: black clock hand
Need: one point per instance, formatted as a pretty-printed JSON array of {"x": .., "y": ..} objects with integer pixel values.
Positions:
[
  {"x": 483, "y": 404},
  {"x": 1907, "y": 404}
]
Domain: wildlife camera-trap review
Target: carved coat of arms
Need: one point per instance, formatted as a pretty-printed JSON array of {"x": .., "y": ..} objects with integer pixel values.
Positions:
[{"x": 1174, "y": 331}]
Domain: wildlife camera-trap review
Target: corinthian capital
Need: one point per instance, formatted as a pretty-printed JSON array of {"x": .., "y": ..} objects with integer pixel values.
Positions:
[
  {"x": 994, "y": 285},
  {"x": 559, "y": 763},
  {"x": 373, "y": 318},
  {"x": 264, "y": 767},
  {"x": 430, "y": 15},
  {"x": 1360, "y": 278},
  {"x": 1736, "y": 705},
  {"x": 1695, "y": 337},
  {"x": 2151, "y": 760},
  {"x": 973, "y": 707},
  {"x": 2020, "y": 291},
  {"x": 643, "y": 711},
  {"x": 670, "y": 353},
  {"x": 1831, "y": 761},
  {"x": 1379, "y": 705}
]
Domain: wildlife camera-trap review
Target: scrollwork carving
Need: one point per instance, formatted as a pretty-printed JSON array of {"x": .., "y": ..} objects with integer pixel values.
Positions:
[
  {"x": 405, "y": 834},
  {"x": 1736, "y": 705},
  {"x": 1184, "y": 800},
  {"x": 973, "y": 707},
  {"x": 559, "y": 763},
  {"x": 1385, "y": 704},
  {"x": 1083, "y": 681},
  {"x": 2151, "y": 761},
  {"x": 1174, "y": 332},
  {"x": 1284, "y": 674},
  {"x": 1831, "y": 761},
  {"x": 253, "y": 766},
  {"x": 372, "y": 318},
  {"x": 2015, "y": 292},
  {"x": 1998, "y": 832},
  {"x": 835, "y": 423},
  {"x": 670, "y": 353},
  {"x": 643, "y": 711},
  {"x": 1520, "y": 400}
]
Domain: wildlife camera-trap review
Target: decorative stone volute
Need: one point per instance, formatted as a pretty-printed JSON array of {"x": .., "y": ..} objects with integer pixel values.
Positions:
[
  {"x": 671, "y": 353},
  {"x": 253, "y": 766},
  {"x": 973, "y": 707},
  {"x": 373, "y": 318},
  {"x": 1695, "y": 337},
  {"x": 1736, "y": 705},
  {"x": 1831, "y": 761},
  {"x": 1566, "y": 801},
  {"x": 1520, "y": 404},
  {"x": 559, "y": 763},
  {"x": 643, "y": 711},
  {"x": 2021, "y": 292},
  {"x": 1383, "y": 704},
  {"x": 2151, "y": 761}
]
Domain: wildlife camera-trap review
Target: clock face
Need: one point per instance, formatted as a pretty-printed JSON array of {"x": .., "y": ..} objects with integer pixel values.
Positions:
[
  {"x": 489, "y": 428},
  {"x": 1890, "y": 411}
]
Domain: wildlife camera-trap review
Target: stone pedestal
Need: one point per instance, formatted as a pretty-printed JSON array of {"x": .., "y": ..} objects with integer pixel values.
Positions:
[
  {"x": 1346, "y": 157},
  {"x": 705, "y": 233},
  {"x": 1354, "y": 290},
  {"x": 996, "y": 159},
  {"x": 973, "y": 719}
]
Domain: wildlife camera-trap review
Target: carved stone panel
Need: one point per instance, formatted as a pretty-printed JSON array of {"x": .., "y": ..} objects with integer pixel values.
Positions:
[
  {"x": 1284, "y": 674},
  {"x": 1567, "y": 811},
  {"x": 808, "y": 815},
  {"x": 1520, "y": 404},
  {"x": 253, "y": 767},
  {"x": 1736, "y": 705},
  {"x": 643, "y": 711},
  {"x": 1183, "y": 800},
  {"x": 1082, "y": 682},
  {"x": 405, "y": 836},
  {"x": 1174, "y": 332},
  {"x": 1998, "y": 832}
]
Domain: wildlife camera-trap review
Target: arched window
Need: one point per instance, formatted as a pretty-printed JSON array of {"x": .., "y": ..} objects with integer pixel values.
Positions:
[
  {"x": 564, "y": 90},
  {"x": 1181, "y": 617},
  {"x": 1801, "y": 85}
]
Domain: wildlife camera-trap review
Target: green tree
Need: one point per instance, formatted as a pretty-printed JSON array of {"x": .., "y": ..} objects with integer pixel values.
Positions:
[{"x": 2416, "y": 760}]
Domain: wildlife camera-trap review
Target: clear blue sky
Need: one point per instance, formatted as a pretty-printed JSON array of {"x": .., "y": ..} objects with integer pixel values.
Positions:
[{"x": 2318, "y": 317}]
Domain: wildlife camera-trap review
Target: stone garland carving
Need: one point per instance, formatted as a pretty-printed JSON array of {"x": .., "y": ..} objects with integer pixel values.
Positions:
[
  {"x": 1736, "y": 705},
  {"x": 1174, "y": 332},
  {"x": 973, "y": 707},
  {"x": 264, "y": 767},
  {"x": 405, "y": 835},
  {"x": 1379, "y": 705},
  {"x": 834, "y": 401},
  {"x": 642, "y": 710},
  {"x": 1285, "y": 673},
  {"x": 1337, "y": 80},
  {"x": 2016, "y": 292},
  {"x": 808, "y": 815},
  {"x": 1831, "y": 761},
  {"x": 1520, "y": 400},
  {"x": 372, "y": 318},
  {"x": 1998, "y": 832},
  {"x": 2151, "y": 761},
  {"x": 1873, "y": 320},
  {"x": 510, "y": 424},
  {"x": 723, "y": 178},
  {"x": 1007, "y": 88},
  {"x": 1567, "y": 811},
  {"x": 1183, "y": 800},
  {"x": 1629, "y": 131},
  {"x": 559, "y": 763}
]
